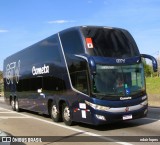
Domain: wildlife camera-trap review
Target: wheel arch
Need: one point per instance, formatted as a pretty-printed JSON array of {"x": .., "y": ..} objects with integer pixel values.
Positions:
[{"x": 59, "y": 104}]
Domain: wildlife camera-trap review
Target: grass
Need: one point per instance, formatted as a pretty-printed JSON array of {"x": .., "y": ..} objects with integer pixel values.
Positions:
[
  {"x": 153, "y": 91},
  {"x": 153, "y": 85}
]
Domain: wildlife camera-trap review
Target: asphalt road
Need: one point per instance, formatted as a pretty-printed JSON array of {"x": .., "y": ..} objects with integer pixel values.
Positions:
[{"x": 23, "y": 124}]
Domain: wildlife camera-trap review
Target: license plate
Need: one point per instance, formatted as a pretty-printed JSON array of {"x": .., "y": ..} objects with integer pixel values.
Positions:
[{"x": 126, "y": 117}]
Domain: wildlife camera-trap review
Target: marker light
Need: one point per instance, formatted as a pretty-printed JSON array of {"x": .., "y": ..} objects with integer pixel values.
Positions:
[
  {"x": 97, "y": 107},
  {"x": 145, "y": 112}
]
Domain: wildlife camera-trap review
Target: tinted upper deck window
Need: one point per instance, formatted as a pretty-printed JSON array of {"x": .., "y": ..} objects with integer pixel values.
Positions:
[
  {"x": 72, "y": 43},
  {"x": 110, "y": 42},
  {"x": 45, "y": 51},
  {"x": 48, "y": 50}
]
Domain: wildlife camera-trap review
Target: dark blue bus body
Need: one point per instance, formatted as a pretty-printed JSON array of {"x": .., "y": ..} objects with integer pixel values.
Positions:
[{"x": 84, "y": 74}]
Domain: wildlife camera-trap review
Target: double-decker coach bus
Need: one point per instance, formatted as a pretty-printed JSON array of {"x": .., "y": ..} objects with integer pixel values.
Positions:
[{"x": 88, "y": 74}]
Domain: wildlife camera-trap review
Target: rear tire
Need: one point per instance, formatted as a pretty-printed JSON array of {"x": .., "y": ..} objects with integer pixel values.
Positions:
[
  {"x": 17, "y": 105},
  {"x": 55, "y": 115},
  {"x": 66, "y": 115},
  {"x": 13, "y": 104}
]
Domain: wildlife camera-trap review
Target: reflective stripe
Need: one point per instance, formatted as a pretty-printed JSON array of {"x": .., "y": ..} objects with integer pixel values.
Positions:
[{"x": 81, "y": 56}]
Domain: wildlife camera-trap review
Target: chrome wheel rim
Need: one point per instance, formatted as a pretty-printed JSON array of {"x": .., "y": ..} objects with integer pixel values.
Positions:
[
  {"x": 16, "y": 105},
  {"x": 66, "y": 114},
  {"x": 54, "y": 111},
  {"x": 12, "y": 103}
]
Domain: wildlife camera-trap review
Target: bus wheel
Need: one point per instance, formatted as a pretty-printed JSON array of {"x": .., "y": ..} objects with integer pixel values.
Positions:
[
  {"x": 17, "y": 105},
  {"x": 13, "y": 104},
  {"x": 66, "y": 115},
  {"x": 55, "y": 115}
]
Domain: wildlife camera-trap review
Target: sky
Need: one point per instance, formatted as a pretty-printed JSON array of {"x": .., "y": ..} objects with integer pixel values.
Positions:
[{"x": 25, "y": 22}]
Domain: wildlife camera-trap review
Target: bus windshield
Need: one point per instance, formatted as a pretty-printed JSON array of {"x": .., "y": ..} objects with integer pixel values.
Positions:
[
  {"x": 108, "y": 42},
  {"x": 118, "y": 80}
]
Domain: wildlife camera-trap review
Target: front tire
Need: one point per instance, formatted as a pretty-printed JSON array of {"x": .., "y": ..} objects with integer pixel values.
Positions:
[{"x": 66, "y": 115}]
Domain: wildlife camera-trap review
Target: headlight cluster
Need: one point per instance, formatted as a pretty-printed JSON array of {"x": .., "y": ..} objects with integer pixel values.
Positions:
[{"x": 97, "y": 107}]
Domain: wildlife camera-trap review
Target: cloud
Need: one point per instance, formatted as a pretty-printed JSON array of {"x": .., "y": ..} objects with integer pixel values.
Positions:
[
  {"x": 3, "y": 31},
  {"x": 60, "y": 21},
  {"x": 90, "y": 1}
]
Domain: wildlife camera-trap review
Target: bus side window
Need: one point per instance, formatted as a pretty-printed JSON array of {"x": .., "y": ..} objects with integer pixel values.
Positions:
[
  {"x": 54, "y": 84},
  {"x": 80, "y": 81},
  {"x": 34, "y": 83}
]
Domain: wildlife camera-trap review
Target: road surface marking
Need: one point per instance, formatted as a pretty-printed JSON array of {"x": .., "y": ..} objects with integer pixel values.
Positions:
[
  {"x": 77, "y": 130},
  {"x": 13, "y": 117},
  {"x": 6, "y": 112},
  {"x": 4, "y": 109},
  {"x": 11, "y": 112}
]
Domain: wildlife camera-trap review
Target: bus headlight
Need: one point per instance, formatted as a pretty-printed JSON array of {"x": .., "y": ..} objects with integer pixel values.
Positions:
[{"x": 97, "y": 107}]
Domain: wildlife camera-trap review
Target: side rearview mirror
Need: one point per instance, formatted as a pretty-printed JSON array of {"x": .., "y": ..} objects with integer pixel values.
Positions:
[{"x": 154, "y": 61}]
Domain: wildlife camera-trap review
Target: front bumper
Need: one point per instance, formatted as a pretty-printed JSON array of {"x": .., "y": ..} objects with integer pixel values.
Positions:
[{"x": 116, "y": 117}]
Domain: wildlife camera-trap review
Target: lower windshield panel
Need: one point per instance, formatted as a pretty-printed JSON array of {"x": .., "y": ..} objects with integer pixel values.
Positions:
[{"x": 118, "y": 80}]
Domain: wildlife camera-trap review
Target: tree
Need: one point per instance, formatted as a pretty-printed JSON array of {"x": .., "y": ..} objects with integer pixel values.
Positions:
[
  {"x": 147, "y": 69},
  {"x": 1, "y": 81},
  {"x": 158, "y": 61}
]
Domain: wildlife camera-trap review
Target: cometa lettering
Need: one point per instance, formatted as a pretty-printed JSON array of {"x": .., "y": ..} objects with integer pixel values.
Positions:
[
  {"x": 125, "y": 98},
  {"x": 40, "y": 70}
]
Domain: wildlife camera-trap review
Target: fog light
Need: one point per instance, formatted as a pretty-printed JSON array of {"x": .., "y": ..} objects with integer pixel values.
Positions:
[
  {"x": 145, "y": 112},
  {"x": 100, "y": 117}
]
